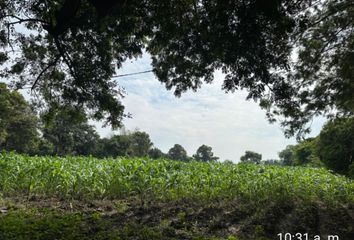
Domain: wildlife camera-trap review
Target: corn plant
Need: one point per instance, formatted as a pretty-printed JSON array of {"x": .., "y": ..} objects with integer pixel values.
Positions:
[{"x": 146, "y": 179}]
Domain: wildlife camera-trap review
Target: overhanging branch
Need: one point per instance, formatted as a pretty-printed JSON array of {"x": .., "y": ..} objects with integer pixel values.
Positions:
[{"x": 51, "y": 64}]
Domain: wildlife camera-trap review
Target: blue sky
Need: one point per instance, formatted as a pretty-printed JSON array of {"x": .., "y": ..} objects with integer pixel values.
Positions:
[{"x": 227, "y": 122}]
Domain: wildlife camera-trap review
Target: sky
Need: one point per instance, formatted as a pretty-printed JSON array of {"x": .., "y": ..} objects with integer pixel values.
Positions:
[{"x": 225, "y": 121}]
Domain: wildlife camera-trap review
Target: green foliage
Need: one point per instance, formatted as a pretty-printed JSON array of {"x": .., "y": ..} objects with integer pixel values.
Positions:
[
  {"x": 117, "y": 145},
  {"x": 305, "y": 152},
  {"x": 336, "y": 144},
  {"x": 68, "y": 134},
  {"x": 75, "y": 46},
  {"x": 18, "y": 226},
  {"x": 156, "y": 153},
  {"x": 44, "y": 224},
  {"x": 140, "y": 144},
  {"x": 18, "y": 122},
  {"x": 91, "y": 178},
  {"x": 351, "y": 171},
  {"x": 136, "y": 144},
  {"x": 232, "y": 238},
  {"x": 45, "y": 147},
  {"x": 251, "y": 157},
  {"x": 322, "y": 81},
  {"x": 204, "y": 153},
  {"x": 287, "y": 156},
  {"x": 177, "y": 152},
  {"x": 272, "y": 162}
]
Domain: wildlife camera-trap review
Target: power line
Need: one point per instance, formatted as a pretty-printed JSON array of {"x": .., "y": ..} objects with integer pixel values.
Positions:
[{"x": 130, "y": 74}]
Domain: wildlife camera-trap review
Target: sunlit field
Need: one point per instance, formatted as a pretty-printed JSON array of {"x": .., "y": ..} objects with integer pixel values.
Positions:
[
  {"x": 91, "y": 178},
  {"x": 141, "y": 198}
]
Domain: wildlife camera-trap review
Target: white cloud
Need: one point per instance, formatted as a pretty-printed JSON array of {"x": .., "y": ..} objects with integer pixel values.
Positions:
[{"x": 227, "y": 122}]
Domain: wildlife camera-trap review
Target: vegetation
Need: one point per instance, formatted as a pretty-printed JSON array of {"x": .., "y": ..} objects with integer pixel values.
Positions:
[
  {"x": 80, "y": 177},
  {"x": 304, "y": 153},
  {"x": 114, "y": 146},
  {"x": 251, "y": 157},
  {"x": 58, "y": 132},
  {"x": 75, "y": 47},
  {"x": 294, "y": 57},
  {"x": 155, "y": 153},
  {"x": 323, "y": 76},
  {"x": 18, "y": 122},
  {"x": 177, "y": 152},
  {"x": 85, "y": 197},
  {"x": 332, "y": 148},
  {"x": 205, "y": 154},
  {"x": 140, "y": 144},
  {"x": 272, "y": 162},
  {"x": 286, "y": 156},
  {"x": 336, "y": 145},
  {"x": 68, "y": 135},
  {"x": 53, "y": 63},
  {"x": 175, "y": 220}
]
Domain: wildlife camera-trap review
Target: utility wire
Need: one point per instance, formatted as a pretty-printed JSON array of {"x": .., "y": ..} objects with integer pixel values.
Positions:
[{"x": 130, "y": 74}]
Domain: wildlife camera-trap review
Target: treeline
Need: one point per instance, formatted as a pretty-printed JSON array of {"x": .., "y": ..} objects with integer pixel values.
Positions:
[
  {"x": 333, "y": 148},
  {"x": 65, "y": 131}
]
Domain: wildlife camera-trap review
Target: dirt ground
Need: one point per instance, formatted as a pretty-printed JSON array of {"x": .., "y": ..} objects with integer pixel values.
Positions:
[{"x": 132, "y": 219}]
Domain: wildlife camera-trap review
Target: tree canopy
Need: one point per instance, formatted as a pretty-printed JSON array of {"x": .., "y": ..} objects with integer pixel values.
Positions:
[
  {"x": 251, "y": 157},
  {"x": 68, "y": 51},
  {"x": 69, "y": 135},
  {"x": 117, "y": 145},
  {"x": 304, "y": 153},
  {"x": 177, "y": 152},
  {"x": 156, "y": 153},
  {"x": 336, "y": 145},
  {"x": 205, "y": 154},
  {"x": 18, "y": 122},
  {"x": 322, "y": 76},
  {"x": 286, "y": 156}
]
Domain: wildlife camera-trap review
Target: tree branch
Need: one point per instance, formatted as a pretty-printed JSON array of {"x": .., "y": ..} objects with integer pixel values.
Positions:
[
  {"x": 44, "y": 70},
  {"x": 21, "y": 20},
  {"x": 9, "y": 38},
  {"x": 66, "y": 58}
]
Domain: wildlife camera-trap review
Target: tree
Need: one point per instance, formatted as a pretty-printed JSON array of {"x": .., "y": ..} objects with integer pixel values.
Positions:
[
  {"x": 117, "y": 145},
  {"x": 287, "y": 156},
  {"x": 228, "y": 161},
  {"x": 69, "y": 135},
  {"x": 271, "y": 162},
  {"x": 251, "y": 157},
  {"x": 204, "y": 153},
  {"x": 85, "y": 139},
  {"x": 18, "y": 122},
  {"x": 156, "y": 153},
  {"x": 45, "y": 148},
  {"x": 351, "y": 171},
  {"x": 140, "y": 144},
  {"x": 75, "y": 46},
  {"x": 336, "y": 145},
  {"x": 305, "y": 152},
  {"x": 322, "y": 80},
  {"x": 177, "y": 152},
  {"x": 135, "y": 144}
]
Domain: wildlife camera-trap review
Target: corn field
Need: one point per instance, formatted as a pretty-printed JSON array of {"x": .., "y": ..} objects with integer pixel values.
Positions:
[{"x": 91, "y": 178}]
